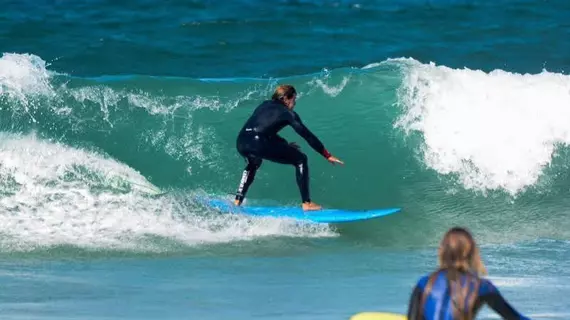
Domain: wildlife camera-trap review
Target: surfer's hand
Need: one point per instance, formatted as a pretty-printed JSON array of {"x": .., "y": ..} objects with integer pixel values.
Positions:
[
  {"x": 294, "y": 145},
  {"x": 334, "y": 160}
]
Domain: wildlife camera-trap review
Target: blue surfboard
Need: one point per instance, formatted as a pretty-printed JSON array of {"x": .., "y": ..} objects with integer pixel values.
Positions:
[{"x": 319, "y": 216}]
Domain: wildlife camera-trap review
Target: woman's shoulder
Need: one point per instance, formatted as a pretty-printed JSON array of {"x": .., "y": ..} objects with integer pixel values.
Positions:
[
  {"x": 486, "y": 286},
  {"x": 423, "y": 280}
]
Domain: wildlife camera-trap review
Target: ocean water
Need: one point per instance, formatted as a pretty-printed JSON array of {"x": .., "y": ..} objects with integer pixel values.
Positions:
[{"x": 456, "y": 111}]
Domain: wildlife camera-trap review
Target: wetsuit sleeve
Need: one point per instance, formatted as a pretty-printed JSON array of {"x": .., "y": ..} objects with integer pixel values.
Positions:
[
  {"x": 304, "y": 132},
  {"x": 490, "y": 295},
  {"x": 415, "y": 304}
]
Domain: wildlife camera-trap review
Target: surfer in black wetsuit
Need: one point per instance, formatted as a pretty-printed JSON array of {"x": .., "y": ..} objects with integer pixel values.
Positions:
[
  {"x": 258, "y": 140},
  {"x": 455, "y": 290}
]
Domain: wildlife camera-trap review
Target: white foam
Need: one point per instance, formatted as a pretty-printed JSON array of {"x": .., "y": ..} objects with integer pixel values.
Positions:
[
  {"x": 23, "y": 78},
  {"x": 321, "y": 82},
  {"x": 496, "y": 130},
  {"x": 23, "y": 74},
  {"x": 53, "y": 194}
]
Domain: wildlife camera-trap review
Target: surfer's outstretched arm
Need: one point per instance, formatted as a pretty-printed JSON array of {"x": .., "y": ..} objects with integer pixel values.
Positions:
[
  {"x": 304, "y": 132},
  {"x": 490, "y": 295},
  {"x": 312, "y": 140}
]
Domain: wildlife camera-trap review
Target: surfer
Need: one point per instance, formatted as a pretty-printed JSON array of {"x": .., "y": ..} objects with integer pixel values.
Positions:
[
  {"x": 258, "y": 140},
  {"x": 456, "y": 290}
]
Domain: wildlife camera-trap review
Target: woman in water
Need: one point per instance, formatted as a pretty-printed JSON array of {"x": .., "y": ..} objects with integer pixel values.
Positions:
[{"x": 456, "y": 290}]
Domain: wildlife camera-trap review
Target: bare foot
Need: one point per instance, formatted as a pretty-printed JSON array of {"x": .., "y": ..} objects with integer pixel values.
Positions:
[
  {"x": 311, "y": 206},
  {"x": 236, "y": 202}
]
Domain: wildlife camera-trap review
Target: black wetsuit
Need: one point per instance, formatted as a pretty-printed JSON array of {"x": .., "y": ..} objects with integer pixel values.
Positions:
[
  {"x": 438, "y": 305},
  {"x": 258, "y": 140}
]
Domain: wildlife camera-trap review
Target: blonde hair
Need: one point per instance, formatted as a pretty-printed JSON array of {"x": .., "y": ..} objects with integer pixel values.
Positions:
[
  {"x": 459, "y": 255},
  {"x": 284, "y": 90}
]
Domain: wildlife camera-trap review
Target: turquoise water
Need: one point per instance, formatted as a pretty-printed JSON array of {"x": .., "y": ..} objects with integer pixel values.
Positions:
[{"x": 456, "y": 111}]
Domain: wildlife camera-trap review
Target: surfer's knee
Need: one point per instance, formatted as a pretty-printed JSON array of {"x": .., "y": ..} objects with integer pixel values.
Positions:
[
  {"x": 302, "y": 159},
  {"x": 253, "y": 163}
]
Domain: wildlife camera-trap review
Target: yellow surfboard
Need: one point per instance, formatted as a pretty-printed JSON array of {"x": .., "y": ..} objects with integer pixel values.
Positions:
[{"x": 378, "y": 316}]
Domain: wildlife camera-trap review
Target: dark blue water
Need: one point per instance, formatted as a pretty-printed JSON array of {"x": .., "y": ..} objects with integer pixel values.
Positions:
[{"x": 284, "y": 38}]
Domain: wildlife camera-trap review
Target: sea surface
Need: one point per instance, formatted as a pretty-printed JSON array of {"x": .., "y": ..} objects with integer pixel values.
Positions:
[{"x": 456, "y": 111}]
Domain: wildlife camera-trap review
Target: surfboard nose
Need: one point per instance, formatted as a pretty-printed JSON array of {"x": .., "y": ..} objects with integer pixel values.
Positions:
[{"x": 378, "y": 316}]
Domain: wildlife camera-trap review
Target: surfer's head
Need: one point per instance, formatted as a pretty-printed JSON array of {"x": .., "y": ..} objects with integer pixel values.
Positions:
[
  {"x": 287, "y": 94},
  {"x": 459, "y": 251}
]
